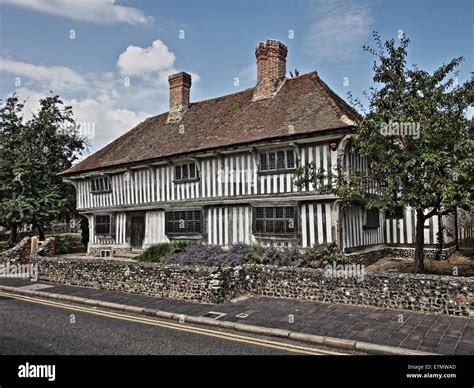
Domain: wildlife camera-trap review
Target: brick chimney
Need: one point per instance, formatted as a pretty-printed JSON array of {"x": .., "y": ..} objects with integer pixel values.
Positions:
[
  {"x": 180, "y": 87},
  {"x": 271, "y": 68}
]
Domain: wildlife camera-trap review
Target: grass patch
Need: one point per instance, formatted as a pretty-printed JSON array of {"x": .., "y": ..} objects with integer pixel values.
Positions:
[
  {"x": 468, "y": 252},
  {"x": 456, "y": 262}
]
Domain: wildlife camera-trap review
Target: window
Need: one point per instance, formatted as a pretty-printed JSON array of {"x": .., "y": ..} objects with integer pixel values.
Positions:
[
  {"x": 271, "y": 161},
  {"x": 281, "y": 160},
  {"x": 100, "y": 185},
  {"x": 275, "y": 220},
  {"x": 290, "y": 159},
  {"x": 396, "y": 212},
  {"x": 372, "y": 218},
  {"x": 103, "y": 225},
  {"x": 105, "y": 253},
  {"x": 183, "y": 222},
  {"x": 277, "y": 160},
  {"x": 185, "y": 172}
]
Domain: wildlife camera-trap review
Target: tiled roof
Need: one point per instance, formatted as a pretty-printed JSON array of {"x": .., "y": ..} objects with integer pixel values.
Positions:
[{"x": 303, "y": 105}]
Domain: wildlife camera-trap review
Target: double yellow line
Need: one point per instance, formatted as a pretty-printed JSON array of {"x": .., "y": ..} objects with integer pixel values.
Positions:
[{"x": 181, "y": 327}]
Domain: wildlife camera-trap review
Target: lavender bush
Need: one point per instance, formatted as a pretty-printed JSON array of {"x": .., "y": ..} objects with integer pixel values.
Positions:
[
  {"x": 204, "y": 255},
  {"x": 237, "y": 254}
]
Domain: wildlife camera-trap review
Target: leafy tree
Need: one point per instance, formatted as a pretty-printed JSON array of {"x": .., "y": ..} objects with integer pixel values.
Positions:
[
  {"x": 32, "y": 154},
  {"x": 416, "y": 138},
  {"x": 11, "y": 127}
]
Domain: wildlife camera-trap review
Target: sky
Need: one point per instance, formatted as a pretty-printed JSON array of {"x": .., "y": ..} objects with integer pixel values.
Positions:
[{"x": 110, "y": 60}]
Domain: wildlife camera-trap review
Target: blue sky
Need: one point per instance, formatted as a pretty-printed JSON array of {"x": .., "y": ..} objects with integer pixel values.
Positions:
[{"x": 114, "y": 72}]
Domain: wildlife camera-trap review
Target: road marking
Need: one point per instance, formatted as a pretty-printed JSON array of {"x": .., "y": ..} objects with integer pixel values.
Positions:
[
  {"x": 180, "y": 327},
  {"x": 35, "y": 287}
]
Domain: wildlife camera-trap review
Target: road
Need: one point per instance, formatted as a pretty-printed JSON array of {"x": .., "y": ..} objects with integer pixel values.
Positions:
[{"x": 34, "y": 326}]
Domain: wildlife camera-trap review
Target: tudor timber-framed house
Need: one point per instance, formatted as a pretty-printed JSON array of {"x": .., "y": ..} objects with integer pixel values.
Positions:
[{"x": 221, "y": 171}]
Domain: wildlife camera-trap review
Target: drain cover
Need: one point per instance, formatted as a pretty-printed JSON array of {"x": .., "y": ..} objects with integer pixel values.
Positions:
[{"x": 214, "y": 315}]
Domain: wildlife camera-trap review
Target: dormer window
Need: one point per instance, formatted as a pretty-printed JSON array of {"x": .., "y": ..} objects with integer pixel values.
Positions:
[
  {"x": 185, "y": 172},
  {"x": 276, "y": 161},
  {"x": 100, "y": 185}
]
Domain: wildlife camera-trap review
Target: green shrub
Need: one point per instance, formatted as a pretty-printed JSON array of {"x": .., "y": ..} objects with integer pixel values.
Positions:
[
  {"x": 4, "y": 245},
  {"x": 160, "y": 252},
  {"x": 69, "y": 243},
  {"x": 245, "y": 253},
  {"x": 320, "y": 255},
  {"x": 196, "y": 253},
  {"x": 202, "y": 254}
]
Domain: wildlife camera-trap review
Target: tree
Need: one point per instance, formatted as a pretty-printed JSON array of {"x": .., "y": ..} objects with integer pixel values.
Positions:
[
  {"x": 11, "y": 126},
  {"x": 32, "y": 155},
  {"x": 416, "y": 138}
]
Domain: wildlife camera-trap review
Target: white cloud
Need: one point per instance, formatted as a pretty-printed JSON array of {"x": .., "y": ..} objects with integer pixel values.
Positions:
[
  {"x": 249, "y": 73},
  {"x": 102, "y": 101},
  {"x": 106, "y": 116},
  {"x": 139, "y": 61},
  {"x": 57, "y": 78},
  {"x": 96, "y": 11},
  {"x": 339, "y": 30},
  {"x": 101, "y": 113}
]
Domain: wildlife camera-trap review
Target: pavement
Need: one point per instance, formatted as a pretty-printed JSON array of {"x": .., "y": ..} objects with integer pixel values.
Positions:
[
  {"x": 348, "y": 327},
  {"x": 48, "y": 329}
]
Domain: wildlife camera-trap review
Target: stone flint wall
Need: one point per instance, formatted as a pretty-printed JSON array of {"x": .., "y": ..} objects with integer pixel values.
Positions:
[
  {"x": 368, "y": 257},
  {"x": 166, "y": 281},
  {"x": 429, "y": 293},
  {"x": 428, "y": 253},
  {"x": 48, "y": 248},
  {"x": 19, "y": 254}
]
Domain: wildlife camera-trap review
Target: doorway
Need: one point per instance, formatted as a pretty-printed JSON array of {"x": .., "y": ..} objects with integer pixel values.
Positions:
[{"x": 137, "y": 231}]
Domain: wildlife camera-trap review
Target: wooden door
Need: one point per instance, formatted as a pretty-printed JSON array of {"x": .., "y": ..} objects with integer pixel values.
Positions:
[{"x": 137, "y": 233}]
